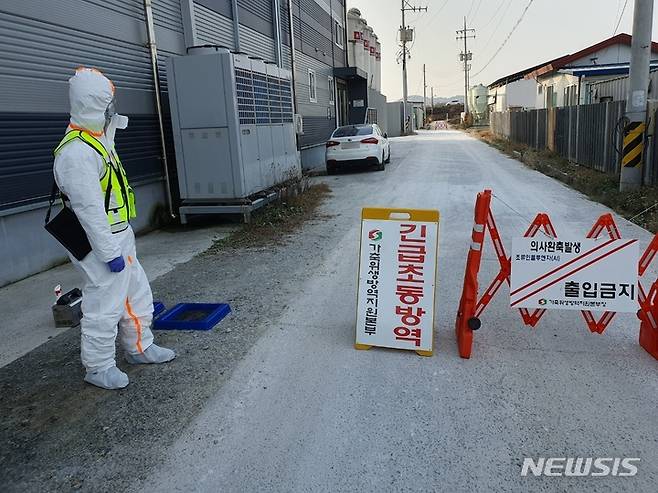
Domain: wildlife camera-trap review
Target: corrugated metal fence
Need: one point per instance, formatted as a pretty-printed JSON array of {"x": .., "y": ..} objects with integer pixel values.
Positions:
[{"x": 587, "y": 134}]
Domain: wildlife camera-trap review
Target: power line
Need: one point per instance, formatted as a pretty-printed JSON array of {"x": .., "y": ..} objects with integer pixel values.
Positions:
[
  {"x": 617, "y": 8},
  {"x": 506, "y": 39},
  {"x": 500, "y": 21},
  {"x": 620, "y": 17},
  {"x": 477, "y": 9},
  {"x": 428, "y": 20},
  {"x": 468, "y": 16}
]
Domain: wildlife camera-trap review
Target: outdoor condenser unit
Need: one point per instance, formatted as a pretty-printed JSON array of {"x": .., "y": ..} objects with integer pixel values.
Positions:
[{"x": 234, "y": 132}]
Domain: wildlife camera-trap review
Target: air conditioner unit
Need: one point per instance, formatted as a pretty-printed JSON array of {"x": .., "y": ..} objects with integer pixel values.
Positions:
[{"x": 234, "y": 128}]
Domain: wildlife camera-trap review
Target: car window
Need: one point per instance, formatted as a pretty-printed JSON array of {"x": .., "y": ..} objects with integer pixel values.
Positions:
[{"x": 352, "y": 130}]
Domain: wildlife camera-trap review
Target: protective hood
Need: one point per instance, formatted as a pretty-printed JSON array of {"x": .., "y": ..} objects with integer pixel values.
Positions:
[{"x": 90, "y": 93}]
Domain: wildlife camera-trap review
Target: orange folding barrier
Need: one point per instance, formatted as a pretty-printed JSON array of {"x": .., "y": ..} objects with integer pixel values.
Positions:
[
  {"x": 648, "y": 313},
  {"x": 471, "y": 306}
]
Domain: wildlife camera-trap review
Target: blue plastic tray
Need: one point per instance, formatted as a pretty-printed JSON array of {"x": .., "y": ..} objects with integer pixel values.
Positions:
[
  {"x": 192, "y": 316},
  {"x": 158, "y": 308}
]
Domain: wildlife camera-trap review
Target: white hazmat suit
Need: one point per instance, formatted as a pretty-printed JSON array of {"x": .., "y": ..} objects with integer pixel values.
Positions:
[{"x": 109, "y": 298}]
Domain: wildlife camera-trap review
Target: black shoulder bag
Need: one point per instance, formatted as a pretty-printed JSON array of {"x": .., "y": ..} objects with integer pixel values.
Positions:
[{"x": 66, "y": 228}]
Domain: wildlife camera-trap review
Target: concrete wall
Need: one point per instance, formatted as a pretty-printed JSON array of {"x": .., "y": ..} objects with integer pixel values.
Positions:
[
  {"x": 520, "y": 93},
  {"x": 377, "y": 101},
  {"x": 559, "y": 82},
  {"x": 28, "y": 248},
  {"x": 313, "y": 157},
  {"x": 394, "y": 118}
]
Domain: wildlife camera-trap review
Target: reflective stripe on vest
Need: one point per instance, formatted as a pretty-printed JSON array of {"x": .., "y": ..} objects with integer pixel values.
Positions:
[{"x": 114, "y": 182}]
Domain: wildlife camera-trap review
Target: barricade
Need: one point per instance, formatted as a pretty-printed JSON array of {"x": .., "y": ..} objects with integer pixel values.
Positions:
[{"x": 471, "y": 305}]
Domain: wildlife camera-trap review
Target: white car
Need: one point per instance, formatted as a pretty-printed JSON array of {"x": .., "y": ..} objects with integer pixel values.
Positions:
[{"x": 352, "y": 144}]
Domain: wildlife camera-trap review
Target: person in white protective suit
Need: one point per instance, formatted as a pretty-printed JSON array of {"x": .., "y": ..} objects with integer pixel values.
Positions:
[{"x": 93, "y": 182}]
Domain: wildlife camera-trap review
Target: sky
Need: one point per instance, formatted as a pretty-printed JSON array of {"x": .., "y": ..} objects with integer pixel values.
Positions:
[{"x": 549, "y": 29}]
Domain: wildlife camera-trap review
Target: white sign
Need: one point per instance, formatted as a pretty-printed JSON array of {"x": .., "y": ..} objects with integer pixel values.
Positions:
[
  {"x": 358, "y": 103},
  {"x": 575, "y": 274},
  {"x": 397, "y": 275},
  {"x": 639, "y": 98}
]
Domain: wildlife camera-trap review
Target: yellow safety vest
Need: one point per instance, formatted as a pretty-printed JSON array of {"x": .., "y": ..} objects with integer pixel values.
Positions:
[{"x": 119, "y": 196}]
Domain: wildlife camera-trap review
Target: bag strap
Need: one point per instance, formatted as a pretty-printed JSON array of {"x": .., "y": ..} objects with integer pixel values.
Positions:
[
  {"x": 108, "y": 190},
  {"x": 53, "y": 197},
  {"x": 94, "y": 144}
]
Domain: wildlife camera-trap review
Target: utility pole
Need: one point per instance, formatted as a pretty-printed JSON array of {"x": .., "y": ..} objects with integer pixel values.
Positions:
[
  {"x": 636, "y": 100},
  {"x": 432, "y": 99},
  {"x": 406, "y": 35},
  {"x": 465, "y": 56},
  {"x": 424, "y": 98}
]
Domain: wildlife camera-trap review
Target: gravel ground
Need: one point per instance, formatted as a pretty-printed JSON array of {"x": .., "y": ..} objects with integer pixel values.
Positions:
[{"x": 58, "y": 433}]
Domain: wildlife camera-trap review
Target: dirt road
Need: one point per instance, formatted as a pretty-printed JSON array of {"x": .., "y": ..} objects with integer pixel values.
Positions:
[{"x": 276, "y": 398}]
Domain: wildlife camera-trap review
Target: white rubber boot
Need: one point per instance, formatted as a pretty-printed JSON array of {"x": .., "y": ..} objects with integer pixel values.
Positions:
[
  {"x": 152, "y": 354},
  {"x": 109, "y": 379}
]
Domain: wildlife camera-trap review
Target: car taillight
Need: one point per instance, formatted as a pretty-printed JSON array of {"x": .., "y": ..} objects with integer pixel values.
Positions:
[
  {"x": 369, "y": 140},
  {"x": 332, "y": 143}
]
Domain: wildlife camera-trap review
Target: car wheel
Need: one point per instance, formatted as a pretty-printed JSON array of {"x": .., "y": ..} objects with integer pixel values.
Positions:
[
  {"x": 382, "y": 163},
  {"x": 388, "y": 158},
  {"x": 332, "y": 169}
]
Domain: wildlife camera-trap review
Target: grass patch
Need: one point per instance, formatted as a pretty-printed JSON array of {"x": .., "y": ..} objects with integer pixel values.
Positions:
[
  {"x": 598, "y": 186},
  {"x": 274, "y": 222}
]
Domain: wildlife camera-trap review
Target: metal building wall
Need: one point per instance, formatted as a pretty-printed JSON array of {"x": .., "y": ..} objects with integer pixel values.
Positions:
[
  {"x": 314, "y": 47},
  {"x": 285, "y": 34},
  {"x": 258, "y": 44},
  {"x": 214, "y": 22},
  {"x": 316, "y": 50},
  {"x": 44, "y": 41},
  {"x": 617, "y": 88},
  {"x": 42, "y": 44},
  {"x": 213, "y": 27},
  {"x": 262, "y": 9}
]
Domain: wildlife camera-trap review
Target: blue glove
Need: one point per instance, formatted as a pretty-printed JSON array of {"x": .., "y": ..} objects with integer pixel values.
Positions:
[{"x": 117, "y": 264}]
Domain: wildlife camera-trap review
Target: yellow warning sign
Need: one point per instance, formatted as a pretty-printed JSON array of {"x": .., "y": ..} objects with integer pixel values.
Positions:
[{"x": 633, "y": 144}]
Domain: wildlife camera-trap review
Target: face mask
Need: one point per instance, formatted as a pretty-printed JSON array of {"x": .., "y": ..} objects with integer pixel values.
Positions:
[
  {"x": 110, "y": 111},
  {"x": 120, "y": 121},
  {"x": 117, "y": 121}
]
